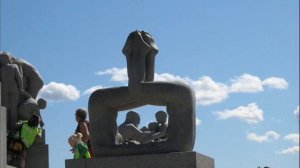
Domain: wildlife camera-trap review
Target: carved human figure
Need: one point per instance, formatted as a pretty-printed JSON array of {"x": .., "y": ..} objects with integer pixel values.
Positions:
[
  {"x": 178, "y": 98},
  {"x": 140, "y": 51},
  {"x": 32, "y": 80},
  {"x": 158, "y": 129},
  {"x": 28, "y": 106},
  {"x": 130, "y": 131},
  {"x": 11, "y": 86}
]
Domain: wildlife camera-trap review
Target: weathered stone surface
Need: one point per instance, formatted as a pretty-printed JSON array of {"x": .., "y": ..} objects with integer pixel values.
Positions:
[
  {"x": 2, "y": 136},
  {"x": 179, "y": 99},
  {"x": 166, "y": 160},
  {"x": 38, "y": 156}
]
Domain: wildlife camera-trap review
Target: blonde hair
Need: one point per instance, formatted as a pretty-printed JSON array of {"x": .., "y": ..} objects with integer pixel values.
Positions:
[{"x": 77, "y": 137}]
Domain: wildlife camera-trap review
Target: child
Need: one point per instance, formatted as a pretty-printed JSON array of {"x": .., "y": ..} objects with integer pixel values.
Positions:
[{"x": 80, "y": 149}]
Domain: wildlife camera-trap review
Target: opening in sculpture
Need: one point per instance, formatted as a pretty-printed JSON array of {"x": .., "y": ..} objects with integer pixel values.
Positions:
[{"x": 140, "y": 50}]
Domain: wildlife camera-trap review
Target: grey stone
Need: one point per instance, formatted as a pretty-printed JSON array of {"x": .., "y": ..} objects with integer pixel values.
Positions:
[
  {"x": 179, "y": 99},
  {"x": 166, "y": 160},
  {"x": 38, "y": 156},
  {"x": 3, "y": 156},
  {"x": 21, "y": 83}
]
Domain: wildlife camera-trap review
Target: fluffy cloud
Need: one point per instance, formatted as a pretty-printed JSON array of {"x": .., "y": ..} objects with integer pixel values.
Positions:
[
  {"x": 290, "y": 150},
  {"x": 296, "y": 112},
  {"x": 118, "y": 74},
  {"x": 292, "y": 137},
  {"x": 59, "y": 92},
  {"x": 270, "y": 135},
  {"x": 198, "y": 121},
  {"x": 206, "y": 89},
  {"x": 275, "y": 82},
  {"x": 92, "y": 89},
  {"x": 250, "y": 113},
  {"x": 246, "y": 83}
]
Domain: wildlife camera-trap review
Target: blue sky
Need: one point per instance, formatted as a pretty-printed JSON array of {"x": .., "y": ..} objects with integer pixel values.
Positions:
[{"x": 240, "y": 56}]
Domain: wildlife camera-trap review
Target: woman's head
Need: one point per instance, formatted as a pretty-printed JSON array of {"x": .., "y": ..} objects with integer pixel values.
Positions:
[{"x": 80, "y": 114}]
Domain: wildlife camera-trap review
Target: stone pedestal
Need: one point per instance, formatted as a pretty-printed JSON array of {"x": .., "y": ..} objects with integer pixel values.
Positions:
[
  {"x": 165, "y": 160},
  {"x": 3, "y": 151},
  {"x": 38, "y": 154}
]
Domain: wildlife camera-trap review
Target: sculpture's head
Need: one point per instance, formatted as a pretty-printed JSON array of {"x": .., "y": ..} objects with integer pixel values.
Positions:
[
  {"x": 135, "y": 39},
  {"x": 42, "y": 103},
  {"x": 161, "y": 117},
  {"x": 153, "y": 126},
  {"x": 132, "y": 117},
  {"x": 5, "y": 58}
]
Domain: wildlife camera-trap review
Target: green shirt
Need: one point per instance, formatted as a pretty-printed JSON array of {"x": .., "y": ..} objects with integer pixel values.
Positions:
[
  {"x": 28, "y": 134},
  {"x": 81, "y": 151}
]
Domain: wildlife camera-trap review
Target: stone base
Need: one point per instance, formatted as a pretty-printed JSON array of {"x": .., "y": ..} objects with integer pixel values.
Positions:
[
  {"x": 38, "y": 156},
  {"x": 165, "y": 160}
]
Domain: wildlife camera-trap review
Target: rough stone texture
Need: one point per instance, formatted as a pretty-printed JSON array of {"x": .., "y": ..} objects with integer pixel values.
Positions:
[
  {"x": 104, "y": 104},
  {"x": 38, "y": 156},
  {"x": 2, "y": 137},
  {"x": 167, "y": 160}
]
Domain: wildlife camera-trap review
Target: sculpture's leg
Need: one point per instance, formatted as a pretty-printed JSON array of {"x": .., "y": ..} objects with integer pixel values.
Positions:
[
  {"x": 150, "y": 66},
  {"x": 13, "y": 113}
]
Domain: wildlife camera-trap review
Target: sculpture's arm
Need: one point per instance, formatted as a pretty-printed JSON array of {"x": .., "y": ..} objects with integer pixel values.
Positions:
[{"x": 18, "y": 77}]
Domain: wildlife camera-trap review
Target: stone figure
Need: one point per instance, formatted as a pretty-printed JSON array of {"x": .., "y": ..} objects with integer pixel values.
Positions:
[
  {"x": 32, "y": 80},
  {"x": 11, "y": 86},
  {"x": 20, "y": 84},
  {"x": 178, "y": 98},
  {"x": 28, "y": 106},
  {"x": 130, "y": 132},
  {"x": 158, "y": 129}
]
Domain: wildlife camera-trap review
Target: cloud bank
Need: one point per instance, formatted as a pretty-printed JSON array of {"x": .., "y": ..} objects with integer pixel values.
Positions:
[
  {"x": 290, "y": 150},
  {"x": 59, "y": 92},
  {"x": 251, "y": 113},
  {"x": 267, "y": 137}
]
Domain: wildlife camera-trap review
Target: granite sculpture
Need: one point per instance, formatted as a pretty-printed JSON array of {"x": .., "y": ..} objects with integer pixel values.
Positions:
[
  {"x": 104, "y": 104},
  {"x": 21, "y": 83},
  {"x": 130, "y": 132}
]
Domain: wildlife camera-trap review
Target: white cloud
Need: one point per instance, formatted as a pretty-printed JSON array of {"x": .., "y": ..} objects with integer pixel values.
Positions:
[
  {"x": 275, "y": 82},
  {"x": 250, "y": 113},
  {"x": 59, "y": 92},
  {"x": 198, "y": 121},
  {"x": 118, "y": 74},
  {"x": 92, "y": 89},
  {"x": 270, "y": 135},
  {"x": 292, "y": 137},
  {"x": 246, "y": 83},
  {"x": 290, "y": 150},
  {"x": 206, "y": 89},
  {"x": 296, "y": 112}
]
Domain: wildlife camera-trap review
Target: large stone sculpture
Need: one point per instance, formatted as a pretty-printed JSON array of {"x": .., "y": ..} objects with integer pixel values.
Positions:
[
  {"x": 104, "y": 104},
  {"x": 20, "y": 85}
]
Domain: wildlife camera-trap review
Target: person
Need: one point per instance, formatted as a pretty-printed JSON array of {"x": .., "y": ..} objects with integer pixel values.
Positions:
[
  {"x": 20, "y": 140},
  {"x": 83, "y": 127},
  {"x": 79, "y": 148}
]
